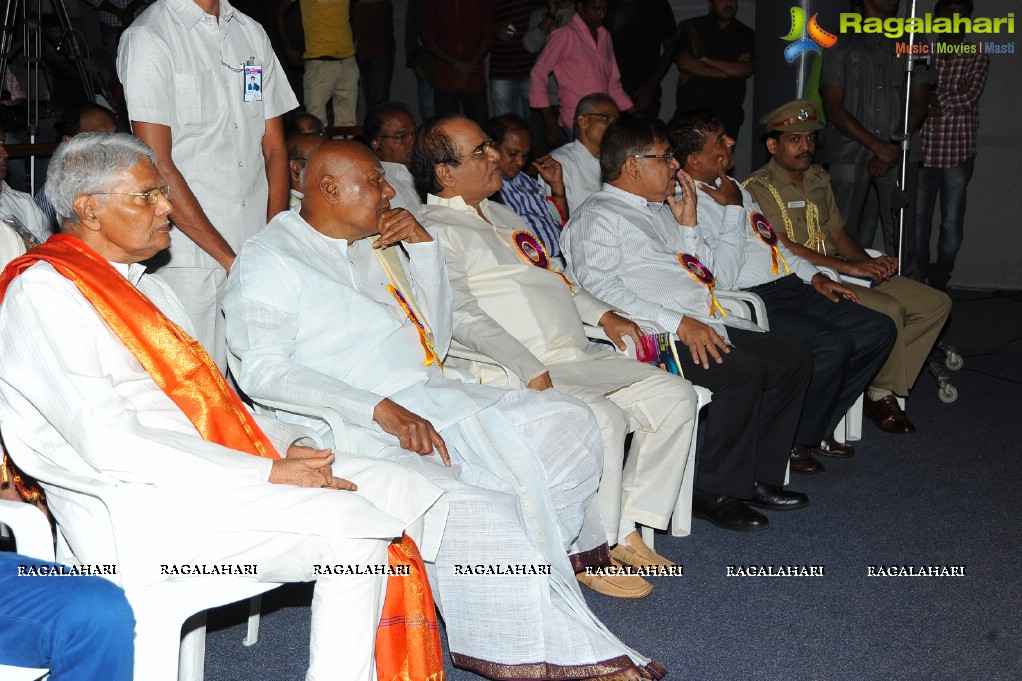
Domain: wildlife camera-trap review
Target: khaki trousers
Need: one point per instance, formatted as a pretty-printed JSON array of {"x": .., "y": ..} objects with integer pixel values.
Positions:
[
  {"x": 919, "y": 313},
  {"x": 325, "y": 79}
]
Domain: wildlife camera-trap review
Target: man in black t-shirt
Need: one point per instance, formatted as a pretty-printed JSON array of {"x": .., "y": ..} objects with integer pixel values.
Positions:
[
  {"x": 715, "y": 57},
  {"x": 643, "y": 34}
]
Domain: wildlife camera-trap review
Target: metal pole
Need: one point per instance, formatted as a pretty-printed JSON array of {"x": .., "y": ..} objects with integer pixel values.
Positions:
[
  {"x": 910, "y": 60},
  {"x": 802, "y": 72}
]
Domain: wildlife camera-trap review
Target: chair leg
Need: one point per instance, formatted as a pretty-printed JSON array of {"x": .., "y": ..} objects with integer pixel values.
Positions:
[
  {"x": 255, "y": 605},
  {"x": 853, "y": 420},
  {"x": 681, "y": 520},
  {"x": 157, "y": 646},
  {"x": 192, "y": 658}
]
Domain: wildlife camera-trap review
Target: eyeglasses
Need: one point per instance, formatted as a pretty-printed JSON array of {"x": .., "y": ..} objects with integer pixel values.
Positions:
[
  {"x": 480, "y": 151},
  {"x": 606, "y": 118},
  {"x": 152, "y": 196},
  {"x": 401, "y": 137},
  {"x": 663, "y": 157}
]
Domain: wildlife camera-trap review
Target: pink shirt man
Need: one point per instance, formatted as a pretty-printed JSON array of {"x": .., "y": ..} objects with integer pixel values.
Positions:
[{"x": 581, "y": 67}]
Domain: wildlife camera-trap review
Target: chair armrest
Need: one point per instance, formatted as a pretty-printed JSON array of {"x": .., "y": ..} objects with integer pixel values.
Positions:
[
  {"x": 459, "y": 351},
  {"x": 832, "y": 273},
  {"x": 596, "y": 333},
  {"x": 328, "y": 415},
  {"x": 31, "y": 531},
  {"x": 745, "y": 305}
]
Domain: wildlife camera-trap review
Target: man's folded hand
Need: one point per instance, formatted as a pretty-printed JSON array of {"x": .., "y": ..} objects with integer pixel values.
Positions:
[{"x": 310, "y": 471}]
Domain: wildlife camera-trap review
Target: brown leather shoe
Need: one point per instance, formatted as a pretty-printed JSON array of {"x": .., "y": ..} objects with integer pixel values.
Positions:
[
  {"x": 633, "y": 551},
  {"x": 615, "y": 585},
  {"x": 802, "y": 461},
  {"x": 831, "y": 447},
  {"x": 888, "y": 415}
]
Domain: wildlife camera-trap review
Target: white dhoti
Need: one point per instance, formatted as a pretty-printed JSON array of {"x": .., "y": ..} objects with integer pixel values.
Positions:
[{"x": 523, "y": 474}]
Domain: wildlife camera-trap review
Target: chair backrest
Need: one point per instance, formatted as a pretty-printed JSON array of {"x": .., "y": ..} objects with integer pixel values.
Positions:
[{"x": 89, "y": 512}]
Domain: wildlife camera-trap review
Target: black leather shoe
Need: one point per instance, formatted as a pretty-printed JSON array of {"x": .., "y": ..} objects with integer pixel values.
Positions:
[
  {"x": 729, "y": 513},
  {"x": 774, "y": 498},
  {"x": 802, "y": 462},
  {"x": 831, "y": 447}
]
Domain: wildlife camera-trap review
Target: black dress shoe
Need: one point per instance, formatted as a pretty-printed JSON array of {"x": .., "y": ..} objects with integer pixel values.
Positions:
[
  {"x": 831, "y": 447},
  {"x": 802, "y": 461},
  {"x": 729, "y": 513},
  {"x": 774, "y": 498}
]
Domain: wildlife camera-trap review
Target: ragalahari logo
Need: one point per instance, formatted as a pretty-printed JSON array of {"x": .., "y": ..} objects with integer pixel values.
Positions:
[{"x": 817, "y": 36}]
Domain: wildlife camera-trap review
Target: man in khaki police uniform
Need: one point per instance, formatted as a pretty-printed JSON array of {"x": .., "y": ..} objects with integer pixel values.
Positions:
[{"x": 798, "y": 201}]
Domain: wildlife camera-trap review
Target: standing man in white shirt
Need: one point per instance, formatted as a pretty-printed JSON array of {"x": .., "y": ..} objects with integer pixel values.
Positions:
[
  {"x": 220, "y": 146},
  {"x": 512, "y": 305},
  {"x": 646, "y": 258}
]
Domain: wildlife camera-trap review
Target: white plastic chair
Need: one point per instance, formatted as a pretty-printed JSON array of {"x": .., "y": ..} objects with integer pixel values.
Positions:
[
  {"x": 326, "y": 414},
  {"x": 32, "y": 534},
  {"x": 161, "y": 653}
]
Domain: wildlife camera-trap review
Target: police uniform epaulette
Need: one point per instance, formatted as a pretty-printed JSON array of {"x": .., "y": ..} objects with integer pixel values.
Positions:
[
  {"x": 761, "y": 176},
  {"x": 819, "y": 171}
]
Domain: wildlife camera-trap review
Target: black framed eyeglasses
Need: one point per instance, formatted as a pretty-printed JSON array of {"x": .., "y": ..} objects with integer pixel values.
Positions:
[
  {"x": 663, "y": 157},
  {"x": 152, "y": 196}
]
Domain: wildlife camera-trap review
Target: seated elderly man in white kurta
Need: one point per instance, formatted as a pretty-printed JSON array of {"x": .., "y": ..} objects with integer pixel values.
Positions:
[
  {"x": 101, "y": 378},
  {"x": 510, "y": 305},
  {"x": 322, "y": 311}
]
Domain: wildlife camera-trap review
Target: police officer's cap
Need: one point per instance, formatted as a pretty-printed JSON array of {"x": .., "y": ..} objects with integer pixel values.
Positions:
[{"x": 796, "y": 116}]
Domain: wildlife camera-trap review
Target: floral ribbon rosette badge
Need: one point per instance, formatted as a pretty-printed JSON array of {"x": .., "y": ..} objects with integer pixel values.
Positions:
[
  {"x": 768, "y": 236},
  {"x": 704, "y": 276},
  {"x": 532, "y": 250}
]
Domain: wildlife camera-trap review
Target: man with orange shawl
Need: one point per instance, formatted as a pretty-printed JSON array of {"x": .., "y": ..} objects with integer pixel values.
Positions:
[{"x": 101, "y": 377}]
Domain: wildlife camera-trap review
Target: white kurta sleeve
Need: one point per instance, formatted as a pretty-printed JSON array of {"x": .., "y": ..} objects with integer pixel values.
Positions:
[
  {"x": 63, "y": 368},
  {"x": 475, "y": 329},
  {"x": 432, "y": 288},
  {"x": 590, "y": 308},
  {"x": 262, "y": 327}
]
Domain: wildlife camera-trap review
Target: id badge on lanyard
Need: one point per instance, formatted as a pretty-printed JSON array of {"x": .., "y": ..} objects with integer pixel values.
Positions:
[{"x": 253, "y": 87}]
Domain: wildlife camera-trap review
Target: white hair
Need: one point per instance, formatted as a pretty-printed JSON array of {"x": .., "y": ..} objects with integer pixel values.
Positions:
[{"x": 90, "y": 163}]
